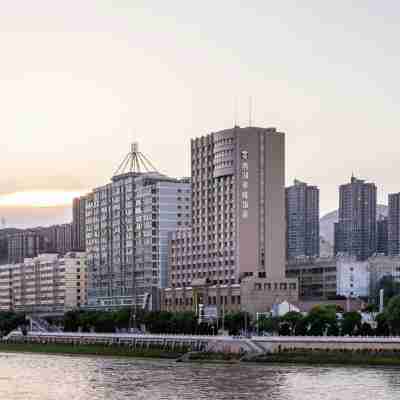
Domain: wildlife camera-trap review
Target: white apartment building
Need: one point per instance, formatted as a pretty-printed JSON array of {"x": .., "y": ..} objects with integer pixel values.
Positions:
[
  {"x": 46, "y": 283},
  {"x": 127, "y": 226},
  {"x": 352, "y": 277}
]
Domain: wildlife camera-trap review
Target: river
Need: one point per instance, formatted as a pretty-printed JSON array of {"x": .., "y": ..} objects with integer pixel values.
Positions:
[{"x": 55, "y": 377}]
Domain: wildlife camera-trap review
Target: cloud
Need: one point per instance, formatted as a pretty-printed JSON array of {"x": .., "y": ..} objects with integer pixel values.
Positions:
[{"x": 41, "y": 182}]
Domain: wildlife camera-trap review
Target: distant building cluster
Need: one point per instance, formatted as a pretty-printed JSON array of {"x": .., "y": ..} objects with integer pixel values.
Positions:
[
  {"x": 18, "y": 244},
  {"x": 229, "y": 237}
]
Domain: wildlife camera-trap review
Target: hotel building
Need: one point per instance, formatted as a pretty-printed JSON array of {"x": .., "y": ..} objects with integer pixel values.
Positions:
[{"x": 237, "y": 238}]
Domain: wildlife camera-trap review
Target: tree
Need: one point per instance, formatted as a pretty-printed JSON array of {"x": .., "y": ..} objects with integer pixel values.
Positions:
[
  {"x": 390, "y": 288},
  {"x": 237, "y": 321},
  {"x": 351, "y": 323},
  {"x": 369, "y": 308},
  {"x": 105, "y": 323},
  {"x": 382, "y": 328},
  {"x": 184, "y": 322},
  {"x": 10, "y": 321},
  {"x": 159, "y": 322},
  {"x": 321, "y": 320},
  {"x": 122, "y": 318},
  {"x": 366, "y": 330},
  {"x": 392, "y": 314},
  {"x": 71, "y": 321},
  {"x": 268, "y": 324},
  {"x": 291, "y": 319}
]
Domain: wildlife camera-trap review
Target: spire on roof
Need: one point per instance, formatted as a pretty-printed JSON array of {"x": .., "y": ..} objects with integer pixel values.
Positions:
[{"x": 135, "y": 161}]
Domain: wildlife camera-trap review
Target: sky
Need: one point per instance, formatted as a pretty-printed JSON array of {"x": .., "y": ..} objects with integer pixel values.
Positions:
[{"x": 81, "y": 80}]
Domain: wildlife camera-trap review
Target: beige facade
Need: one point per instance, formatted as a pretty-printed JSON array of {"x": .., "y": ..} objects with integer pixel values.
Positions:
[
  {"x": 259, "y": 295},
  {"x": 225, "y": 298},
  {"x": 238, "y": 210},
  {"x": 238, "y": 218},
  {"x": 75, "y": 280},
  {"x": 252, "y": 295},
  {"x": 44, "y": 284}
]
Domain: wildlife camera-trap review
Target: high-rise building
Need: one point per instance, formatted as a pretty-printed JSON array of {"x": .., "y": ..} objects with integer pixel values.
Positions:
[
  {"x": 4, "y": 239},
  {"x": 382, "y": 235},
  {"x": 29, "y": 243},
  {"x": 78, "y": 223},
  {"x": 302, "y": 220},
  {"x": 238, "y": 222},
  {"x": 24, "y": 244},
  {"x": 394, "y": 224},
  {"x": 355, "y": 232},
  {"x": 127, "y": 227}
]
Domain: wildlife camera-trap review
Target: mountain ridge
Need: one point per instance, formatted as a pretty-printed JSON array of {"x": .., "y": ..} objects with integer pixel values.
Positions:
[{"x": 30, "y": 217}]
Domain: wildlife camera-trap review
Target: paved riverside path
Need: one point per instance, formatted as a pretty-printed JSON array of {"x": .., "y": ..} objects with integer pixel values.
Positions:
[{"x": 253, "y": 345}]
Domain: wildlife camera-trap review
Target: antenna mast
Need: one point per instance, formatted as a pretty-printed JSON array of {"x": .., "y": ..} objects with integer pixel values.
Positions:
[
  {"x": 235, "y": 113},
  {"x": 250, "y": 110}
]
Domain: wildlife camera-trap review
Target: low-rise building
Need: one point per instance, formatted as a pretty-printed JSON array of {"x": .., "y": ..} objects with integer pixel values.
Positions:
[
  {"x": 253, "y": 295},
  {"x": 317, "y": 276},
  {"x": 381, "y": 266},
  {"x": 353, "y": 278}
]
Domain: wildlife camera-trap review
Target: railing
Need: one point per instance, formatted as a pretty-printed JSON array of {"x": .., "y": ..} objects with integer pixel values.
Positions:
[{"x": 327, "y": 339}]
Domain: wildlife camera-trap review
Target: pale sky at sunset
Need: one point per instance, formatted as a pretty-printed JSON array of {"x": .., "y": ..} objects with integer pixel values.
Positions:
[{"x": 80, "y": 80}]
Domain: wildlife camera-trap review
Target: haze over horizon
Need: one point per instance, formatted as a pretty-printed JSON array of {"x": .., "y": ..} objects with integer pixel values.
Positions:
[{"x": 81, "y": 80}]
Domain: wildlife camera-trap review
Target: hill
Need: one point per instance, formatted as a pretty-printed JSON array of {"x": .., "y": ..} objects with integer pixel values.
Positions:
[{"x": 29, "y": 217}]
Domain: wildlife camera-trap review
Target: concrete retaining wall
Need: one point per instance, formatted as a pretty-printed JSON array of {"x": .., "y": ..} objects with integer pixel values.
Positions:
[{"x": 226, "y": 344}]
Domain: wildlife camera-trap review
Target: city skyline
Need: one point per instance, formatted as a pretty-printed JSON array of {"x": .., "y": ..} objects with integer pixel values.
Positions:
[
  {"x": 53, "y": 199},
  {"x": 78, "y": 87}
]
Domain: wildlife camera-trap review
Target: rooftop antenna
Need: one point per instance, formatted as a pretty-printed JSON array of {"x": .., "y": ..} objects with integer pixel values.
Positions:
[
  {"x": 235, "y": 113},
  {"x": 250, "y": 110},
  {"x": 135, "y": 162}
]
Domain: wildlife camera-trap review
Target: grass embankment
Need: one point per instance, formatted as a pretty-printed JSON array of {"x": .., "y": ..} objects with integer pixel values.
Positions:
[
  {"x": 209, "y": 357},
  {"x": 88, "y": 349},
  {"x": 331, "y": 357},
  {"x": 304, "y": 357}
]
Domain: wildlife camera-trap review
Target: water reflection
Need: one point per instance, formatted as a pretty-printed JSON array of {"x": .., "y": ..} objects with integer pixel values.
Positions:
[{"x": 42, "y": 377}]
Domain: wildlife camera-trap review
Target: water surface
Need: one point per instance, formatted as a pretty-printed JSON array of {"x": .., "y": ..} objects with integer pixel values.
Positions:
[{"x": 55, "y": 377}]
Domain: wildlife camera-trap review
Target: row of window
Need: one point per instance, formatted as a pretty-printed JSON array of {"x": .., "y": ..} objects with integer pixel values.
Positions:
[
  {"x": 212, "y": 300},
  {"x": 274, "y": 286}
]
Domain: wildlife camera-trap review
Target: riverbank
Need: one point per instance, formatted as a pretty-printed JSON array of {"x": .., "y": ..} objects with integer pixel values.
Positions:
[
  {"x": 316, "y": 357},
  {"x": 388, "y": 358},
  {"x": 301, "y": 357},
  {"x": 89, "y": 349}
]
